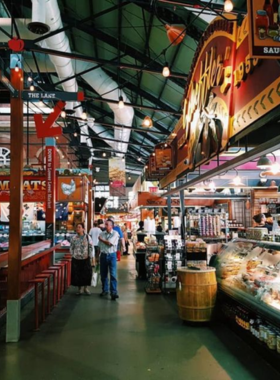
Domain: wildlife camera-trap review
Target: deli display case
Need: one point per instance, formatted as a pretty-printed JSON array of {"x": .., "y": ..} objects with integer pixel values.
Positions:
[{"x": 249, "y": 272}]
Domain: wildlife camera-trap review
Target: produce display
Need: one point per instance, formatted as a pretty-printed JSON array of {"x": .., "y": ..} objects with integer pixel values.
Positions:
[{"x": 253, "y": 268}]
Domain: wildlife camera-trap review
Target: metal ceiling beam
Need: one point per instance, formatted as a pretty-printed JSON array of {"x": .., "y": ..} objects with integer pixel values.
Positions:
[
  {"x": 172, "y": 17},
  {"x": 215, "y": 7},
  {"x": 140, "y": 92},
  {"x": 30, "y": 46},
  {"x": 151, "y": 66},
  {"x": 260, "y": 150},
  {"x": 140, "y": 106}
]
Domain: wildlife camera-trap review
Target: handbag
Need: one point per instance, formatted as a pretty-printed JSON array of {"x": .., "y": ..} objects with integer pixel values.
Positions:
[{"x": 95, "y": 276}]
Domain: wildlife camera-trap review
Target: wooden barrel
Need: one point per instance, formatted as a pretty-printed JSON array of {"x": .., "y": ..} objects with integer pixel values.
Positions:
[{"x": 196, "y": 294}]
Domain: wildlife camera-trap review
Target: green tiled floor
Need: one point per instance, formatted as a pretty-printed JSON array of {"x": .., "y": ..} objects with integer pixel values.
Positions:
[{"x": 138, "y": 337}]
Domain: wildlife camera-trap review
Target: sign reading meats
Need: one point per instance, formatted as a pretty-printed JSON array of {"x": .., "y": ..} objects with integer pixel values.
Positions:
[
  {"x": 227, "y": 90},
  {"x": 34, "y": 189}
]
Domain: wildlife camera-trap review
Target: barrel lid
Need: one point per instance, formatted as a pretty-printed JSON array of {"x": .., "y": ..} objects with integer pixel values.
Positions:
[{"x": 188, "y": 270}]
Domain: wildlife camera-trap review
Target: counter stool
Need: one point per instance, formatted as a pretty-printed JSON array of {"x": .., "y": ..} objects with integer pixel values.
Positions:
[
  {"x": 58, "y": 270},
  {"x": 47, "y": 277},
  {"x": 63, "y": 267},
  {"x": 53, "y": 273},
  {"x": 36, "y": 282},
  {"x": 68, "y": 280}
]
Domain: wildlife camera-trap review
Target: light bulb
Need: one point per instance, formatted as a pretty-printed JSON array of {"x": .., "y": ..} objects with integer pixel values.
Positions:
[
  {"x": 68, "y": 162},
  {"x": 29, "y": 79},
  {"x": 237, "y": 180},
  {"x": 165, "y": 145},
  {"x": 139, "y": 158},
  {"x": 129, "y": 178},
  {"x": 75, "y": 134},
  {"x": 63, "y": 114},
  {"x": 84, "y": 115},
  {"x": 32, "y": 88},
  {"x": 154, "y": 154},
  {"x": 147, "y": 122},
  {"x": 121, "y": 103},
  {"x": 275, "y": 168},
  {"x": 104, "y": 154},
  {"x": 228, "y": 6},
  {"x": 17, "y": 68},
  {"x": 166, "y": 71}
]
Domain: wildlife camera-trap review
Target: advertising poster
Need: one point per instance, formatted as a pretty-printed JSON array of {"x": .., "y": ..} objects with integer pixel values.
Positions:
[
  {"x": 117, "y": 177},
  {"x": 264, "y": 33},
  {"x": 163, "y": 158},
  {"x": 70, "y": 189}
]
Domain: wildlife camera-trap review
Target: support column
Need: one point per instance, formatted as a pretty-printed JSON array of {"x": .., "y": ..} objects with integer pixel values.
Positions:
[
  {"x": 50, "y": 187},
  {"x": 182, "y": 207},
  {"x": 90, "y": 214},
  {"x": 16, "y": 180},
  {"x": 169, "y": 212}
]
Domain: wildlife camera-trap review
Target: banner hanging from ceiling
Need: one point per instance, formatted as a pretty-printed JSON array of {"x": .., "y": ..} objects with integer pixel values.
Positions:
[
  {"x": 163, "y": 157},
  {"x": 227, "y": 91},
  {"x": 264, "y": 23},
  {"x": 117, "y": 177}
]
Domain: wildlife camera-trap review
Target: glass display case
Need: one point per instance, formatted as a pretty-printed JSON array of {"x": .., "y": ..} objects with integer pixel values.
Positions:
[{"x": 249, "y": 272}]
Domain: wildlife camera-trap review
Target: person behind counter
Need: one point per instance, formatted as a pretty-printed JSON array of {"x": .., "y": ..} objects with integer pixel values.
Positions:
[
  {"x": 139, "y": 231},
  {"x": 159, "y": 228},
  {"x": 81, "y": 250},
  {"x": 260, "y": 219}
]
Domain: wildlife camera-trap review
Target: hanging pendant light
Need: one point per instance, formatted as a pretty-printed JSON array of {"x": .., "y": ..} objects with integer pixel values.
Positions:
[
  {"x": 121, "y": 102},
  {"x": 264, "y": 163},
  {"x": 228, "y": 6},
  {"x": 175, "y": 34},
  {"x": 166, "y": 70},
  {"x": 147, "y": 122},
  {"x": 84, "y": 115}
]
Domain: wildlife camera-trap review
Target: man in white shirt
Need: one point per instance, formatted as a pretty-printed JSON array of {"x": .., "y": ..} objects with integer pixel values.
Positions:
[
  {"x": 94, "y": 233},
  {"x": 108, "y": 244}
]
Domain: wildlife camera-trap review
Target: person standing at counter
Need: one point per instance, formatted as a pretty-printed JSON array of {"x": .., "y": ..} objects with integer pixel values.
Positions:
[
  {"x": 260, "y": 219},
  {"x": 81, "y": 250},
  {"x": 141, "y": 236}
]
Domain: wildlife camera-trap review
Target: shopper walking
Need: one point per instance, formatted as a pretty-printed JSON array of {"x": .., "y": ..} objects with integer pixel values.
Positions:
[
  {"x": 108, "y": 243},
  {"x": 81, "y": 250},
  {"x": 94, "y": 233},
  {"x": 126, "y": 242}
]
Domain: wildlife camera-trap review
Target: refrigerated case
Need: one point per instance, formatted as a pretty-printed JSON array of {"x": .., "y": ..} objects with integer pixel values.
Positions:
[{"x": 249, "y": 272}]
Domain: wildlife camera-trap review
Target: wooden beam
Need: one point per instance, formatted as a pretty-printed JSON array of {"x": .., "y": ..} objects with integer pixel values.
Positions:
[{"x": 14, "y": 260}]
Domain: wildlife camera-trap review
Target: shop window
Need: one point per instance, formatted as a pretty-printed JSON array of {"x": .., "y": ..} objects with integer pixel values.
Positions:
[{"x": 5, "y": 157}]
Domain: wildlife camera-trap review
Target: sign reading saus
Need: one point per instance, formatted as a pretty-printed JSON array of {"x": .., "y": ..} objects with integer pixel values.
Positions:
[
  {"x": 227, "y": 90},
  {"x": 264, "y": 23}
]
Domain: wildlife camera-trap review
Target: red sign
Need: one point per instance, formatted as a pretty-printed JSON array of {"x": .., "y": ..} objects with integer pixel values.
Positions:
[
  {"x": 227, "y": 91},
  {"x": 50, "y": 182},
  {"x": 264, "y": 29},
  {"x": 153, "y": 189},
  {"x": 34, "y": 189},
  {"x": 16, "y": 44},
  {"x": 46, "y": 129}
]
